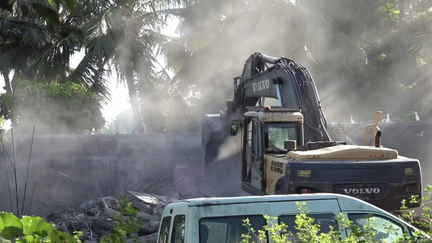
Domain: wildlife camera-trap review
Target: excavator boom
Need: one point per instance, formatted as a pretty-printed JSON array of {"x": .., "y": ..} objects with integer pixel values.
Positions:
[
  {"x": 287, "y": 82},
  {"x": 265, "y": 78}
]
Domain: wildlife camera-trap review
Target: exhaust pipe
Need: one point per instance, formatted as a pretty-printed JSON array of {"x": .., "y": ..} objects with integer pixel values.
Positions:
[{"x": 377, "y": 140}]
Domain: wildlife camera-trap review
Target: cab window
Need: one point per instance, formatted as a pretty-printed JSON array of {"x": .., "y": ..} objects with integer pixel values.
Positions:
[
  {"x": 164, "y": 231},
  {"x": 277, "y": 133},
  {"x": 178, "y": 231},
  {"x": 228, "y": 229},
  {"x": 386, "y": 229}
]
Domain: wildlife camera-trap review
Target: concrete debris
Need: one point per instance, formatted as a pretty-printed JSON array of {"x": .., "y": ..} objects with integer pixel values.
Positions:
[
  {"x": 147, "y": 217},
  {"x": 110, "y": 202},
  {"x": 95, "y": 218},
  {"x": 151, "y": 238},
  {"x": 152, "y": 199}
]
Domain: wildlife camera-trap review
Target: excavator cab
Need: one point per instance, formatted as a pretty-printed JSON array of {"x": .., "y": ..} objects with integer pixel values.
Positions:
[{"x": 266, "y": 131}]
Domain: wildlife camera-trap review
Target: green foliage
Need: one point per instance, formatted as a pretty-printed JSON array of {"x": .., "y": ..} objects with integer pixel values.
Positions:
[
  {"x": 8, "y": 101},
  {"x": 391, "y": 14},
  {"x": 47, "y": 13},
  {"x": 308, "y": 231},
  {"x": 278, "y": 232},
  {"x": 126, "y": 224},
  {"x": 53, "y": 107},
  {"x": 31, "y": 229},
  {"x": 114, "y": 35},
  {"x": 422, "y": 14},
  {"x": 424, "y": 220},
  {"x": 45, "y": 9}
]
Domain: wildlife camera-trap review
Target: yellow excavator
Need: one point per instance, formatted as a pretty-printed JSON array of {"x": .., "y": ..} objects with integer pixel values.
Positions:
[{"x": 286, "y": 147}]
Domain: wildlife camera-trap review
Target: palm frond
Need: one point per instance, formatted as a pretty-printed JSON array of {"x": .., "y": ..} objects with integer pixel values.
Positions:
[
  {"x": 56, "y": 57},
  {"x": 99, "y": 51},
  {"x": 178, "y": 12}
]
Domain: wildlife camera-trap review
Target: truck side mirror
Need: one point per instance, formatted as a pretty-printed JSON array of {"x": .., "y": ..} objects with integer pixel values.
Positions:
[
  {"x": 234, "y": 127},
  {"x": 290, "y": 145}
]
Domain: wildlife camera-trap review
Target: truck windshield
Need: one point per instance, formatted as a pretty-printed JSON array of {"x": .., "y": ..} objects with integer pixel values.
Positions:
[{"x": 277, "y": 133}]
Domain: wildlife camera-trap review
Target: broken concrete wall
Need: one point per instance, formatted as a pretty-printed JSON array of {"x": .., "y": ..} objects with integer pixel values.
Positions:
[{"x": 66, "y": 170}]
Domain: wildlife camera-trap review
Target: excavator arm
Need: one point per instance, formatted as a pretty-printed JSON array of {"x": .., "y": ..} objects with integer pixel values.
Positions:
[{"x": 287, "y": 82}]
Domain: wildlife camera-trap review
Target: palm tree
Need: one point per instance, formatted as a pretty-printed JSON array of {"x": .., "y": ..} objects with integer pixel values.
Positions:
[
  {"x": 38, "y": 46},
  {"x": 124, "y": 37},
  {"x": 118, "y": 35},
  {"x": 36, "y": 42}
]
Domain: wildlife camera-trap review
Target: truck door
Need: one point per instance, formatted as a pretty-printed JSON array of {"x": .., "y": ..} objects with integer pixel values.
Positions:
[
  {"x": 247, "y": 151},
  {"x": 257, "y": 170}
]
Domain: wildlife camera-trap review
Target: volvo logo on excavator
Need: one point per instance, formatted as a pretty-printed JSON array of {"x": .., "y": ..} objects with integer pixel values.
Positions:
[
  {"x": 261, "y": 85},
  {"x": 361, "y": 191}
]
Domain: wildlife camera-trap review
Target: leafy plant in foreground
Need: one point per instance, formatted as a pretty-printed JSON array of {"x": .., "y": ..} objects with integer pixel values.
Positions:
[
  {"x": 308, "y": 231},
  {"x": 31, "y": 229},
  {"x": 126, "y": 224},
  {"x": 424, "y": 220}
]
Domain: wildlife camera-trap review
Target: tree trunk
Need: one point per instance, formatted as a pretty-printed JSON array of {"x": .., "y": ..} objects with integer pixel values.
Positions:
[
  {"x": 7, "y": 82},
  {"x": 8, "y": 89},
  {"x": 138, "y": 127}
]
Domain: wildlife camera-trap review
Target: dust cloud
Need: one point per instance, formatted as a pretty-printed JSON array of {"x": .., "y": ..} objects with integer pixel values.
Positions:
[
  {"x": 347, "y": 82},
  {"x": 219, "y": 39},
  {"x": 274, "y": 28}
]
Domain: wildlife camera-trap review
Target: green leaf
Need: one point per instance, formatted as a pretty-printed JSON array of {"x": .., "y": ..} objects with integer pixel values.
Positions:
[
  {"x": 10, "y": 220},
  {"x": 2, "y": 225},
  {"x": 47, "y": 13},
  {"x": 36, "y": 225},
  {"x": 11, "y": 231},
  {"x": 12, "y": 226},
  {"x": 70, "y": 5}
]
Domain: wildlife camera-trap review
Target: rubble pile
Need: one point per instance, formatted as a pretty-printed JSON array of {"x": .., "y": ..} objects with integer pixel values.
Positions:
[{"x": 95, "y": 218}]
